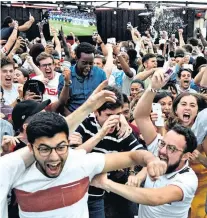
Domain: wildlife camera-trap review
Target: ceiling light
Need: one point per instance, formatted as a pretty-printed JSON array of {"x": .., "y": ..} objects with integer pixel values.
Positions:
[
  {"x": 114, "y": 12},
  {"x": 184, "y": 12}
]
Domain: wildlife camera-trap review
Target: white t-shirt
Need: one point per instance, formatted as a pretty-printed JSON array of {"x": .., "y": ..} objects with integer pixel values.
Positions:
[
  {"x": 11, "y": 168},
  {"x": 51, "y": 89},
  {"x": 62, "y": 197},
  {"x": 11, "y": 95},
  {"x": 119, "y": 79},
  {"x": 184, "y": 178}
]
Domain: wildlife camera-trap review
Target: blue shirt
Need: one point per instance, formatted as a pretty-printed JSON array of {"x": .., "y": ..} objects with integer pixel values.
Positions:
[{"x": 82, "y": 87}]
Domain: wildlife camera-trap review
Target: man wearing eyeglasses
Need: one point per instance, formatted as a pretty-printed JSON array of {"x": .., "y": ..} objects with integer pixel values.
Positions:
[
  {"x": 50, "y": 77},
  {"x": 172, "y": 194}
]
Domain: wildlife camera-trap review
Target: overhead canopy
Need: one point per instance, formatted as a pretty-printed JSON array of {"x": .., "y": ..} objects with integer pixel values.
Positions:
[{"x": 131, "y": 5}]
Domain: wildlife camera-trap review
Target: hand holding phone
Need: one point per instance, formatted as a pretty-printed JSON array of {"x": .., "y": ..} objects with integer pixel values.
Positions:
[
  {"x": 111, "y": 41},
  {"x": 168, "y": 74},
  {"x": 156, "y": 108}
]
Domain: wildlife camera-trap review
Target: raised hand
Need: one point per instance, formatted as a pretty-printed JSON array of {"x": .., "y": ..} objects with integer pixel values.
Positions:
[
  {"x": 99, "y": 96},
  {"x": 29, "y": 60},
  {"x": 180, "y": 31},
  {"x": 31, "y": 18},
  {"x": 67, "y": 74},
  {"x": 158, "y": 79}
]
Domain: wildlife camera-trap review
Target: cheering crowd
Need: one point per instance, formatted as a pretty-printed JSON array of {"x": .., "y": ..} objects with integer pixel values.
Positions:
[{"x": 115, "y": 130}]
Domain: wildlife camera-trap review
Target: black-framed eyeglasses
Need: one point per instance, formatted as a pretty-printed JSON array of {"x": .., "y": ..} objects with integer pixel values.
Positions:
[
  {"x": 170, "y": 148},
  {"x": 45, "y": 150},
  {"x": 46, "y": 65}
]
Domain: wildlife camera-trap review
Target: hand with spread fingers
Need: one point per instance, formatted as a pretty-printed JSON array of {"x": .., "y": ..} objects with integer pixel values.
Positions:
[{"x": 8, "y": 143}]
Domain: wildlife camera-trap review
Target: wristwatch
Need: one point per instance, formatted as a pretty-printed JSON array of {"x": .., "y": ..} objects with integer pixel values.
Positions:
[{"x": 68, "y": 84}]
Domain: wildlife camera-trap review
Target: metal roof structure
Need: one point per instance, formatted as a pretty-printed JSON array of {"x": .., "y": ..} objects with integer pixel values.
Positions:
[{"x": 128, "y": 5}]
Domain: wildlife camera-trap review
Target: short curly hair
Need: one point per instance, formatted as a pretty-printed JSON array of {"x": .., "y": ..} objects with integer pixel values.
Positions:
[{"x": 84, "y": 47}]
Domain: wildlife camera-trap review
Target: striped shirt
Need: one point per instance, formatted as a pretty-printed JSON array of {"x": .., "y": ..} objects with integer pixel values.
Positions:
[{"x": 110, "y": 143}]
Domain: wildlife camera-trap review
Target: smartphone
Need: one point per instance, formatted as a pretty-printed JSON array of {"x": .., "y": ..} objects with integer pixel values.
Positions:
[
  {"x": 34, "y": 87},
  {"x": 156, "y": 108},
  {"x": 168, "y": 74},
  {"x": 111, "y": 41},
  {"x": 173, "y": 37}
]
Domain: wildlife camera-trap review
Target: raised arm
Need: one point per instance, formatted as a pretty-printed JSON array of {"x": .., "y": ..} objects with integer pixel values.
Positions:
[
  {"x": 100, "y": 42},
  {"x": 28, "y": 24},
  {"x": 98, "y": 98},
  {"x": 145, "y": 74},
  {"x": 12, "y": 38},
  {"x": 33, "y": 65},
  {"x": 204, "y": 78},
  {"x": 181, "y": 40},
  {"x": 198, "y": 77},
  {"x": 57, "y": 42},
  {"x": 142, "y": 117},
  {"x": 65, "y": 46},
  {"x": 43, "y": 41},
  {"x": 109, "y": 61},
  {"x": 124, "y": 64}
]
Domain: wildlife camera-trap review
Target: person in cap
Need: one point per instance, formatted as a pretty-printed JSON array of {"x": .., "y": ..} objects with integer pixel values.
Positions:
[{"x": 21, "y": 116}]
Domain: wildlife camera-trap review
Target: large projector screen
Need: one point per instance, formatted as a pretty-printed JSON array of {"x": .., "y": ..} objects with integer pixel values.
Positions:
[{"x": 73, "y": 20}]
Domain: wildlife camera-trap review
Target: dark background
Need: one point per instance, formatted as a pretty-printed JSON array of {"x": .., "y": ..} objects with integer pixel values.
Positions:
[{"x": 109, "y": 24}]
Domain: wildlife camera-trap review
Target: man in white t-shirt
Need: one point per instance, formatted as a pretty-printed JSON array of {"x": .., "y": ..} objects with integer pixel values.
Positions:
[
  {"x": 49, "y": 77},
  {"x": 7, "y": 75},
  {"x": 171, "y": 195},
  {"x": 56, "y": 185},
  {"x": 122, "y": 75}
]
